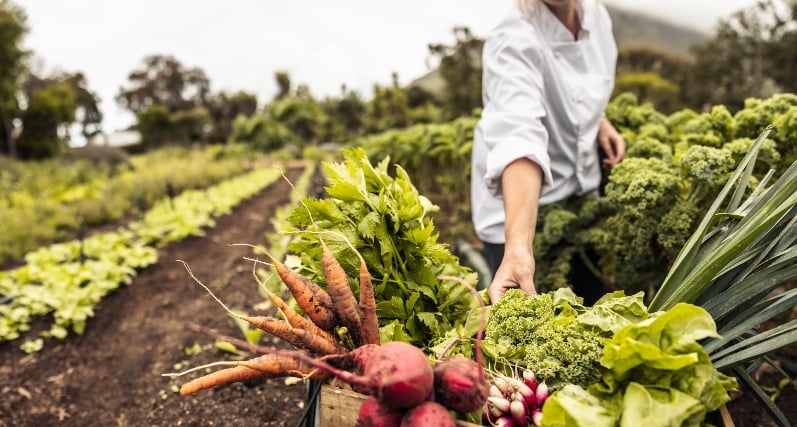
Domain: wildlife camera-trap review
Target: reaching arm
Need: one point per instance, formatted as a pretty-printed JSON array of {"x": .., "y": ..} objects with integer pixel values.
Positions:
[{"x": 521, "y": 182}]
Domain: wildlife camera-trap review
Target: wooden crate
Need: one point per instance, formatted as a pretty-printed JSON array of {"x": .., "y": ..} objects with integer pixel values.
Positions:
[{"x": 338, "y": 407}]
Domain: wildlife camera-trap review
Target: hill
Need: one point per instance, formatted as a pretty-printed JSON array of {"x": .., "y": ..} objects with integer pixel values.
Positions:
[
  {"x": 635, "y": 29},
  {"x": 631, "y": 29}
]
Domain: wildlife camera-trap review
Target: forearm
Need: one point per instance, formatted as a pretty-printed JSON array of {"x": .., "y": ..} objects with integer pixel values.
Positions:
[{"x": 521, "y": 182}]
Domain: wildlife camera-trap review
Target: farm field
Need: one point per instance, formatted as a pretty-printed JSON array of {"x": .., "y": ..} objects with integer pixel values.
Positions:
[{"x": 111, "y": 375}]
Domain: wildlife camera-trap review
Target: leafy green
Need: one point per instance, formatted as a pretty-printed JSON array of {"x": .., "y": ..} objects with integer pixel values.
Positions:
[
  {"x": 389, "y": 222},
  {"x": 554, "y": 335},
  {"x": 657, "y": 374}
]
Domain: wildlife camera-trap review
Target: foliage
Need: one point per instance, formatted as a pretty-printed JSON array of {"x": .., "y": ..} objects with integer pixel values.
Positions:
[
  {"x": 48, "y": 109},
  {"x": 674, "y": 168},
  {"x": 163, "y": 80},
  {"x": 746, "y": 56},
  {"x": 657, "y": 373},
  {"x": 13, "y": 22},
  {"x": 262, "y": 133},
  {"x": 389, "y": 223},
  {"x": 67, "y": 280},
  {"x": 50, "y": 201},
  {"x": 174, "y": 104},
  {"x": 460, "y": 69},
  {"x": 555, "y": 335},
  {"x": 650, "y": 87},
  {"x": 436, "y": 155}
]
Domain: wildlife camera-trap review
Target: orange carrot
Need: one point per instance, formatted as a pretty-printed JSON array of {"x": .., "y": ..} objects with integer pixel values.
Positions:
[
  {"x": 369, "y": 320},
  {"x": 312, "y": 299},
  {"x": 265, "y": 366},
  {"x": 317, "y": 343},
  {"x": 276, "y": 327},
  {"x": 221, "y": 377},
  {"x": 295, "y": 319},
  {"x": 367, "y": 303},
  {"x": 344, "y": 303}
]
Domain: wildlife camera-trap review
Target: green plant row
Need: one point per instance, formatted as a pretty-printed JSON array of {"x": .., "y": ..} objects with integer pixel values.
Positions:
[
  {"x": 66, "y": 280},
  {"x": 47, "y": 202}
]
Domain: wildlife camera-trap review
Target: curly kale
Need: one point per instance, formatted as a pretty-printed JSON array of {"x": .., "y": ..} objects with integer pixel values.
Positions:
[{"x": 546, "y": 334}]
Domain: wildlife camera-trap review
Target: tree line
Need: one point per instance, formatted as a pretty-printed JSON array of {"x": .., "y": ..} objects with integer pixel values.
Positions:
[{"x": 751, "y": 54}]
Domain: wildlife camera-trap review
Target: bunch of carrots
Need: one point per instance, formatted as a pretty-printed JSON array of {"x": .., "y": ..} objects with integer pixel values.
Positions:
[
  {"x": 405, "y": 388},
  {"x": 315, "y": 335}
]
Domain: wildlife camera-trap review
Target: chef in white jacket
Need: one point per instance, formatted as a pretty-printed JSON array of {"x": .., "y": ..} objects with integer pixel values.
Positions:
[{"x": 548, "y": 74}]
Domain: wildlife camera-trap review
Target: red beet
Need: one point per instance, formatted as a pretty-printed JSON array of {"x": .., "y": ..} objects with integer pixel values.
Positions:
[
  {"x": 374, "y": 414},
  {"x": 428, "y": 414},
  {"x": 397, "y": 373},
  {"x": 460, "y": 384}
]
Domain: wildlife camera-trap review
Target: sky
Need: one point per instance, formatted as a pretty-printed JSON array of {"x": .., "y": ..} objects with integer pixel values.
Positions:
[{"x": 240, "y": 44}]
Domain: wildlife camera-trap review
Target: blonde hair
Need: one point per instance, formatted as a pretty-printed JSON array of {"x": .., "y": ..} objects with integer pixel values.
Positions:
[{"x": 528, "y": 7}]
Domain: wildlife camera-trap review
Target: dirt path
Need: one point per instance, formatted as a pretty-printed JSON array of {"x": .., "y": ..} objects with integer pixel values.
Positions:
[{"x": 111, "y": 375}]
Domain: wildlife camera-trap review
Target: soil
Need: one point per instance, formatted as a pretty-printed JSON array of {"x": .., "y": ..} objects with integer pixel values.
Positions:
[{"x": 112, "y": 374}]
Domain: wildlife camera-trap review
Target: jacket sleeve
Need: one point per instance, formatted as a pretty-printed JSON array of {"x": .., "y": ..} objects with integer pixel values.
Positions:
[{"x": 511, "y": 122}]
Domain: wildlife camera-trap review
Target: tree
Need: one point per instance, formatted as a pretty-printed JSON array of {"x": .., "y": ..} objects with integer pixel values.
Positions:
[
  {"x": 782, "y": 53},
  {"x": 13, "y": 27},
  {"x": 49, "y": 112},
  {"x": 734, "y": 65},
  {"x": 224, "y": 108},
  {"x": 155, "y": 126},
  {"x": 461, "y": 69},
  {"x": 345, "y": 115},
  {"x": 164, "y": 81},
  {"x": 87, "y": 103},
  {"x": 388, "y": 109},
  {"x": 283, "y": 84}
]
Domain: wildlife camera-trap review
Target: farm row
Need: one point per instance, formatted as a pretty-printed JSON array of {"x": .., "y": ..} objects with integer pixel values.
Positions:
[{"x": 67, "y": 280}]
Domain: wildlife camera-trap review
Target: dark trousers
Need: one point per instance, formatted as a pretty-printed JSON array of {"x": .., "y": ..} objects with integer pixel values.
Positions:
[{"x": 585, "y": 284}]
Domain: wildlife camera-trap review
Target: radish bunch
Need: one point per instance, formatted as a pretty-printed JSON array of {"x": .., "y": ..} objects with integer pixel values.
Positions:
[{"x": 515, "y": 403}]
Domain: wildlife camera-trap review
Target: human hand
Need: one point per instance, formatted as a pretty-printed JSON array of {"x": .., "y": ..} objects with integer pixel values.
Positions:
[
  {"x": 515, "y": 271},
  {"x": 612, "y": 143}
]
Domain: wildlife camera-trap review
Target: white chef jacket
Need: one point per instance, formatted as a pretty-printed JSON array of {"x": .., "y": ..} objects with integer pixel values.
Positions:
[{"x": 543, "y": 93}]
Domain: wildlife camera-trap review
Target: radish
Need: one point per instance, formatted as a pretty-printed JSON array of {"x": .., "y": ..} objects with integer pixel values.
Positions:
[
  {"x": 536, "y": 417},
  {"x": 397, "y": 373},
  {"x": 374, "y": 414},
  {"x": 428, "y": 414},
  {"x": 505, "y": 421}
]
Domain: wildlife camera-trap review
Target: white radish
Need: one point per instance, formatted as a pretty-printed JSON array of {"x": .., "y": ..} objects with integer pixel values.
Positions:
[
  {"x": 518, "y": 411},
  {"x": 536, "y": 417}
]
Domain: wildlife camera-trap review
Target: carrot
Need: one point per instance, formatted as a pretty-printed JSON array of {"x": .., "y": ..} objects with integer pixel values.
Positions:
[
  {"x": 265, "y": 366},
  {"x": 276, "y": 327},
  {"x": 316, "y": 343},
  {"x": 312, "y": 299},
  {"x": 344, "y": 303},
  {"x": 368, "y": 317},
  {"x": 367, "y": 305},
  {"x": 295, "y": 319},
  {"x": 221, "y": 377}
]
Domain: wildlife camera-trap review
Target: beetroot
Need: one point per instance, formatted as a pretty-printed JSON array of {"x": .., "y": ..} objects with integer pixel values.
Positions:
[
  {"x": 398, "y": 374},
  {"x": 428, "y": 414},
  {"x": 374, "y": 414},
  {"x": 460, "y": 384}
]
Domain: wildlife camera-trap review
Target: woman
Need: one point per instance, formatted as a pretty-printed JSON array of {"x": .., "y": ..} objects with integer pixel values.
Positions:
[{"x": 548, "y": 74}]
